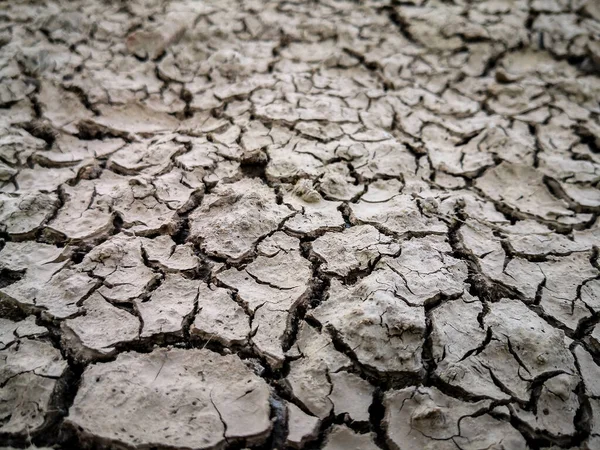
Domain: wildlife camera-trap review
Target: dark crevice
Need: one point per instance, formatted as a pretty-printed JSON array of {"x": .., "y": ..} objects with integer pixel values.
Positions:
[{"x": 43, "y": 130}]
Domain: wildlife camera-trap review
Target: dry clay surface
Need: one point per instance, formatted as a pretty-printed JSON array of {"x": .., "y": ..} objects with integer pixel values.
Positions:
[{"x": 332, "y": 225}]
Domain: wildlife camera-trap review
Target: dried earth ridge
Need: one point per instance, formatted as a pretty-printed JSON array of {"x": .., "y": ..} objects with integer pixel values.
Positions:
[{"x": 300, "y": 224}]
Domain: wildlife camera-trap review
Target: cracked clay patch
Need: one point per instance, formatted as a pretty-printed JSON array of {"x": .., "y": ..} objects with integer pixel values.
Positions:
[{"x": 325, "y": 225}]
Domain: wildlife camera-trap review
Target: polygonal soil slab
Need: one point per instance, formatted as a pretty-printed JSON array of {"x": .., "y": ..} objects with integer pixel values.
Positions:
[
  {"x": 234, "y": 217},
  {"x": 29, "y": 374},
  {"x": 171, "y": 398}
]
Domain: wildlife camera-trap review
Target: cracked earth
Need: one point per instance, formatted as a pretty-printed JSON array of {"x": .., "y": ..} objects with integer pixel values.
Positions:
[{"x": 300, "y": 225}]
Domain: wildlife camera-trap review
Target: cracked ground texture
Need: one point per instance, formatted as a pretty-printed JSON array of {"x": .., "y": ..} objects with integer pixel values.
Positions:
[{"x": 300, "y": 225}]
